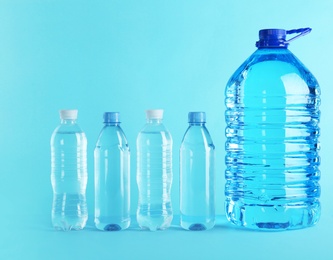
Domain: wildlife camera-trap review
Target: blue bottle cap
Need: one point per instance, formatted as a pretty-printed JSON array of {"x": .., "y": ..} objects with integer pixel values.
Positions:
[
  {"x": 272, "y": 38},
  {"x": 276, "y": 38},
  {"x": 111, "y": 117},
  {"x": 197, "y": 117}
]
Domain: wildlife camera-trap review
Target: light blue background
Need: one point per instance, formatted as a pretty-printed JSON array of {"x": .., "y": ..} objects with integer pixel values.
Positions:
[{"x": 129, "y": 56}]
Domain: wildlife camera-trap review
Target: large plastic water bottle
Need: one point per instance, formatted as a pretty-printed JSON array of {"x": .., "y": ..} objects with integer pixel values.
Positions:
[
  {"x": 112, "y": 176},
  {"x": 69, "y": 173},
  {"x": 197, "y": 201},
  {"x": 272, "y": 135},
  {"x": 154, "y": 173}
]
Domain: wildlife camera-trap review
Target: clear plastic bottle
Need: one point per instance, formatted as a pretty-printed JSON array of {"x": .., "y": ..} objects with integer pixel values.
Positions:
[
  {"x": 112, "y": 176},
  {"x": 197, "y": 199},
  {"x": 69, "y": 173},
  {"x": 154, "y": 173},
  {"x": 272, "y": 142}
]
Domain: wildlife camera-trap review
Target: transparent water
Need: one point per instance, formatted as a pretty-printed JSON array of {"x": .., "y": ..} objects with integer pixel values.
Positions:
[
  {"x": 272, "y": 116},
  {"x": 112, "y": 179},
  {"x": 197, "y": 199},
  {"x": 154, "y": 177},
  {"x": 69, "y": 177}
]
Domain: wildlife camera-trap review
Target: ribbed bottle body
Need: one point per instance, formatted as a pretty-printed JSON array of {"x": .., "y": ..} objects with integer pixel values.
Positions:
[
  {"x": 272, "y": 143},
  {"x": 112, "y": 179},
  {"x": 69, "y": 177},
  {"x": 197, "y": 198},
  {"x": 154, "y": 177}
]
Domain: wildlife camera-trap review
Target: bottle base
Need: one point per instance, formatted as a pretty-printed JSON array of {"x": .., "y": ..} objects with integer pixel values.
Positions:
[
  {"x": 154, "y": 223},
  {"x": 273, "y": 217},
  {"x": 196, "y": 223},
  {"x": 112, "y": 225},
  {"x": 69, "y": 211},
  {"x": 68, "y": 225}
]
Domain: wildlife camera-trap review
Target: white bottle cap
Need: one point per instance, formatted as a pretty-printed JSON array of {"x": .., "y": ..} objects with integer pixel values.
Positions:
[
  {"x": 154, "y": 114},
  {"x": 68, "y": 114}
]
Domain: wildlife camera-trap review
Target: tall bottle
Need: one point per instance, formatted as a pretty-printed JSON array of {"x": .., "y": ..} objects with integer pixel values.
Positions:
[
  {"x": 69, "y": 173},
  {"x": 197, "y": 199},
  {"x": 154, "y": 173},
  {"x": 112, "y": 176},
  {"x": 272, "y": 142}
]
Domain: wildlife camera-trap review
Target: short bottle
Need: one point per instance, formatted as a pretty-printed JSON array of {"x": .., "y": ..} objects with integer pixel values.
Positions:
[
  {"x": 197, "y": 198},
  {"x": 112, "y": 176},
  {"x": 272, "y": 161},
  {"x": 69, "y": 173},
  {"x": 154, "y": 173}
]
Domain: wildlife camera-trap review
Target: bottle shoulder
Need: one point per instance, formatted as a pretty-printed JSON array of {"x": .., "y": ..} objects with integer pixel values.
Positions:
[
  {"x": 276, "y": 67},
  {"x": 154, "y": 132},
  {"x": 197, "y": 135},
  {"x": 68, "y": 134},
  {"x": 273, "y": 63},
  {"x": 154, "y": 129},
  {"x": 111, "y": 135},
  {"x": 68, "y": 128}
]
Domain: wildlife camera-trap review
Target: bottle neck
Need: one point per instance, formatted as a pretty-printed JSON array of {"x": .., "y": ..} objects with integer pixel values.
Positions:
[
  {"x": 154, "y": 120},
  {"x": 112, "y": 123},
  {"x": 273, "y": 50},
  {"x": 68, "y": 121},
  {"x": 196, "y": 124}
]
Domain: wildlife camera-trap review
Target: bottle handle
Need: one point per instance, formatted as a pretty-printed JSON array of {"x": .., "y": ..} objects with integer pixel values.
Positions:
[{"x": 301, "y": 32}]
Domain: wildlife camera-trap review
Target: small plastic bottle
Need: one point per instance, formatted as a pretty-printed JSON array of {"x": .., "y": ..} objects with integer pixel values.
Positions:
[
  {"x": 154, "y": 173},
  {"x": 272, "y": 161},
  {"x": 112, "y": 176},
  {"x": 197, "y": 199},
  {"x": 69, "y": 173}
]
